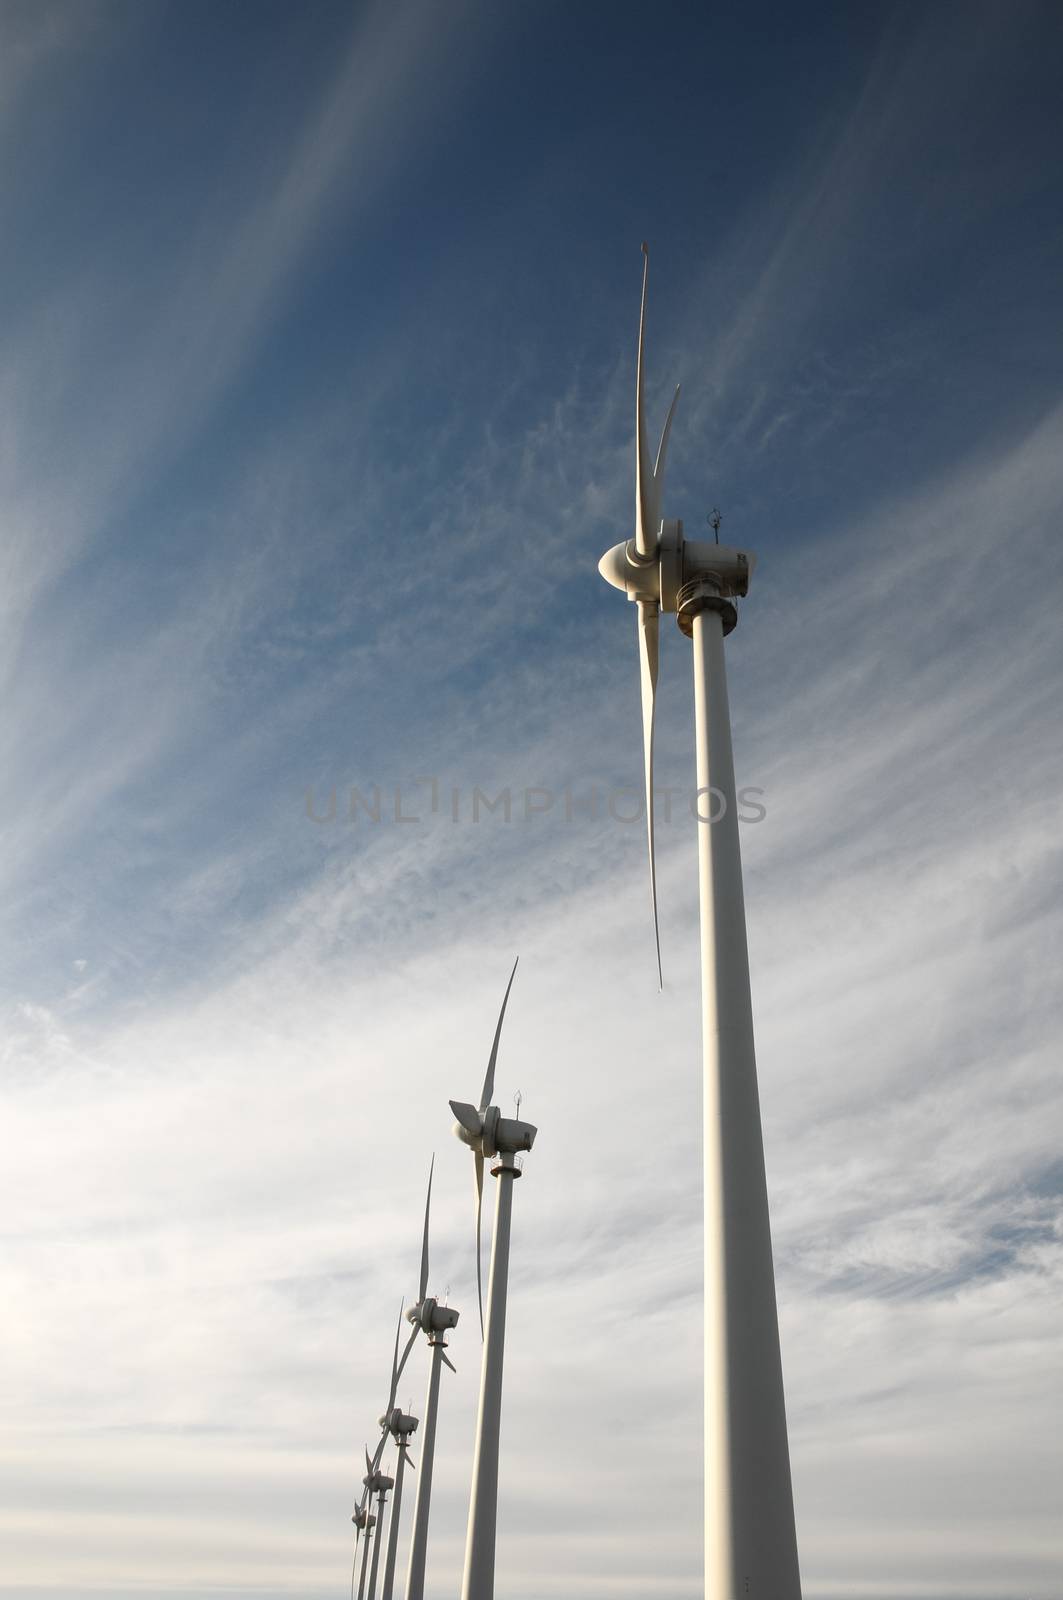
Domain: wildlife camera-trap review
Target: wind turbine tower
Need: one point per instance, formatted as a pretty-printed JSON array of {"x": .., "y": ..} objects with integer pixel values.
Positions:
[
  {"x": 490, "y": 1136},
  {"x": 750, "y": 1537}
]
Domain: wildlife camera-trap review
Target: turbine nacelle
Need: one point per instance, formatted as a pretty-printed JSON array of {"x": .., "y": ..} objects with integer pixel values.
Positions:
[
  {"x": 363, "y": 1518},
  {"x": 431, "y": 1317},
  {"x": 398, "y": 1424},
  {"x": 677, "y": 562},
  {"x": 378, "y": 1482},
  {"x": 488, "y": 1133}
]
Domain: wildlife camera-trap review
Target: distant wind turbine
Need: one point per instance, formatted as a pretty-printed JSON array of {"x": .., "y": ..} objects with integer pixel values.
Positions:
[
  {"x": 380, "y": 1484},
  {"x": 364, "y": 1522},
  {"x": 750, "y": 1538},
  {"x": 490, "y": 1136},
  {"x": 401, "y": 1427},
  {"x": 430, "y": 1317},
  {"x": 391, "y": 1420},
  {"x": 398, "y": 1363}
]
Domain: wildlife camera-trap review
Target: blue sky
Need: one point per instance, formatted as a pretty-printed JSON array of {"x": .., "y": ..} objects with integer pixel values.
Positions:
[{"x": 316, "y": 412}]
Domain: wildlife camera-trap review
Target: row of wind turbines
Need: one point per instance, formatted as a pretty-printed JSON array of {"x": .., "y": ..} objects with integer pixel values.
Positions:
[
  {"x": 750, "y": 1535},
  {"x": 491, "y": 1137}
]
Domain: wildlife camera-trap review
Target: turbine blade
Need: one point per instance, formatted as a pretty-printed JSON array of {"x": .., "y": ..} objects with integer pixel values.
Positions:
[
  {"x": 378, "y": 1452},
  {"x": 395, "y": 1368},
  {"x": 649, "y": 648},
  {"x": 468, "y": 1116},
  {"x": 662, "y": 451},
  {"x": 489, "y": 1078},
  {"x": 409, "y": 1462},
  {"x": 424, "y": 1242},
  {"x": 370, "y": 1469},
  {"x": 406, "y": 1353},
  {"x": 645, "y": 520},
  {"x": 479, "y": 1164},
  {"x": 447, "y": 1361}
]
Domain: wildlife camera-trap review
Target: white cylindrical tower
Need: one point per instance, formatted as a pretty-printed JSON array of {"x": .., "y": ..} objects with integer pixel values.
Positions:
[
  {"x": 422, "y": 1504},
  {"x": 366, "y": 1536},
  {"x": 393, "y": 1531},
  {"x": 376, "y": 1542},
  {"x": 479, "y": 1579},
  {"x": 750, "y": 1537}
]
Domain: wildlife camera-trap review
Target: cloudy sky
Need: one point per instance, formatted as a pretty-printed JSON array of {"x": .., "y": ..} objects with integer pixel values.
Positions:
[{"x": 316, "y": 413}]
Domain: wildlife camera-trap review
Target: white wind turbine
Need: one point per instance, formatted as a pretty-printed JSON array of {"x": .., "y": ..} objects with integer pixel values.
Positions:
[
  {"x": 401, "y": 1427},
  {"x": 490, "y": 1136},
  {"x": 378, "y": 1483},
  {"x": 364, "y": 1522},
  {"x": 429, "y": 1317},
  {"x": 397, "y": 1425},
  {"x": 750, "y": 1538}
]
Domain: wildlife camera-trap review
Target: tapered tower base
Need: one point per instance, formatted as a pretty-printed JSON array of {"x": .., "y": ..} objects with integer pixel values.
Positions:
[{"x": 750, "y": 1538}]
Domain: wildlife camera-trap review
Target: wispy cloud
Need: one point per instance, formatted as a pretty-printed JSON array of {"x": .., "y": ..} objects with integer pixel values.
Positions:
[{"x": 171, "y": 340}]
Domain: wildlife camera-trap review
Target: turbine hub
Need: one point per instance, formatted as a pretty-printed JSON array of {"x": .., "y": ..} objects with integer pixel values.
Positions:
[
  {"x": 636, "y": 576},
  {"x": 467, "y": 1135}
]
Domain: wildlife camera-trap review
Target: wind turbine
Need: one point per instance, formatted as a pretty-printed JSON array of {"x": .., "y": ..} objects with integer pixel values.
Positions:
[
  {"x": 489, "y": 1135},
  {"x": 750, "y": 1537},
  {"x": 364, "y": 1522},
  {"x": 395, "y": 1424},
  {"x": 401, "y": 1427},
  {"x": 429, "y": 1317},
  {"x": 378, "y": 1483}
]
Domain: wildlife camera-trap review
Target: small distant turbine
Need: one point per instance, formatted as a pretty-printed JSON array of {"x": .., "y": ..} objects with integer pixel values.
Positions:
[
  {"x": 378, "y": 1483},
  {"x": 392, "y": 1414},
  {"x": 401, "y": 1427},
  {"x": 392, "y": 1420},
  {"x": 430, "y": 1317},
  {"x": 489, "y": 1135},
  {"x": 364, "y": 1522}
]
